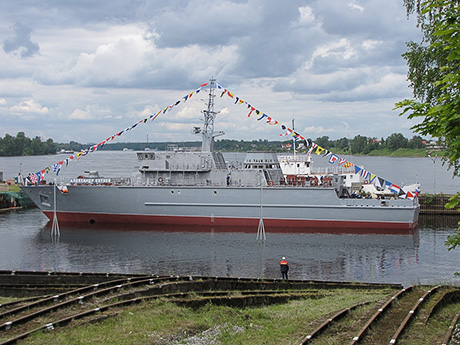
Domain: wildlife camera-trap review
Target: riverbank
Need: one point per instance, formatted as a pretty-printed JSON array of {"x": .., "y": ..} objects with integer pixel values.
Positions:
[
  {"x": 435, "y": 204},
  {"x": 12, "y": 197}
]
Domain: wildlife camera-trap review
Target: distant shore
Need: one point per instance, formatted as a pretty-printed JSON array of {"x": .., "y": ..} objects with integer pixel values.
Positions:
[{"x": 374, "y": 153}]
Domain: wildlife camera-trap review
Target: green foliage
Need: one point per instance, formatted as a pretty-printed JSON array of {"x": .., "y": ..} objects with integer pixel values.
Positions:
[
  {"x": 434, "y": 73},
  {"x": 323, "y": 141},
  {"x": 454, "y": 240},
  {"x": 23, "y": 146},
  {"x": 396, "y": 141},
  {"x": 162, "y": 322}
]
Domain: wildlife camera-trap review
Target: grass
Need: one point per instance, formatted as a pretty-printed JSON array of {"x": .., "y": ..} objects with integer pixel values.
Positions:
[
  {"x": 7, "y": 299},
  {"x": 435, "y": 328},
  {"x": 386, "y": 152},
  {"x": 161, "y": 322}
]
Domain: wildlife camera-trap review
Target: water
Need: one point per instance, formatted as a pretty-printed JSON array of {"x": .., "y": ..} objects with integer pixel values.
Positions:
[{"x": 418, "y": 257}]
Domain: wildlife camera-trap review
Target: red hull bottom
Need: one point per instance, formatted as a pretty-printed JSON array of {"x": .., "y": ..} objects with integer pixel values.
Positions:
[{"x": 204, "y": 224}]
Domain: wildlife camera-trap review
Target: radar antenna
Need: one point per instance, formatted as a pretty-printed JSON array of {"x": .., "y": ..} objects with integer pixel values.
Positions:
[{"x": 208, "y": 133}]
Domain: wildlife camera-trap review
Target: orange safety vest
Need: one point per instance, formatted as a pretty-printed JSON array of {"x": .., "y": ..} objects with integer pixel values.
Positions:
[{"x": 284, "y": 262}]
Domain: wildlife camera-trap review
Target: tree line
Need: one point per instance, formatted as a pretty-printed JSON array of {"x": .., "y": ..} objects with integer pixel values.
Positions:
[
  {"x": 23, "y": 146},
  {"x": 357, "y": 145}
]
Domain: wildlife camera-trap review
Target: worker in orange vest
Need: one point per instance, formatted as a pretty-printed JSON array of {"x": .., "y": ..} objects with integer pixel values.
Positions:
[{"x": 284, "y": 268}]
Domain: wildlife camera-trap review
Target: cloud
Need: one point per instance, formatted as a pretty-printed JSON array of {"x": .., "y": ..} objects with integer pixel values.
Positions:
[
  {"x": 91, "y": 112},
  {"x": 134, "y": 62},
  {"x": 102, "y": 66},
  {"x": 306, "y": 15},
  {"x": 313, "y": 131},
  {"x": 21, "y": 44},
  {"x": 29, "y": 107},
  {"x": 2, "y": 101},
  {"x": 79, "y": 114}
]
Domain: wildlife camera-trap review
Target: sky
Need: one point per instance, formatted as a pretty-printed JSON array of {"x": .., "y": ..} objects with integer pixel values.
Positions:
[{"x": 84, "y": 70}]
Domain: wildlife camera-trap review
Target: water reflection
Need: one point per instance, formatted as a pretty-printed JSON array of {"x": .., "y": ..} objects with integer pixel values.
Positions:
[
  {"x": 215, "y": 251},
  {"x": 419, "y": 256}
]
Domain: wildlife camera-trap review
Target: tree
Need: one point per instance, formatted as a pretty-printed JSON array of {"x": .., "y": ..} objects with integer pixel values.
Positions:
[
  {"x": 434, "y": 73},
  {"x": 323, "y": 141},
  {"x": 342, "y": 143},
  {"x": 396, "y": 141},
  {"x": 358, "y": 144},
  {"x": 416, "y": 142},
  {"x": 9, "y": 146}
]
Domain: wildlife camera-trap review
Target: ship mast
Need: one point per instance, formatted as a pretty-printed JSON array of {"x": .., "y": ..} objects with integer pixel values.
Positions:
[
  {"x": 208, "y": 134},
  {"x": 293, "y": 147}
]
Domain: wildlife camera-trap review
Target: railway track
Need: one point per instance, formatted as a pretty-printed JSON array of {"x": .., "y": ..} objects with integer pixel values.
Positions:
[
  {"x": 397, "y": 319},
  {"x": 402, "y": 318}
]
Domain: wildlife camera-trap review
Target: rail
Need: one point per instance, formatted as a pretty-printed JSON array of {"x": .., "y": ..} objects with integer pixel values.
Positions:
[
  {"x": 378, "y": 314},
  {"x": 329, "y": 321},
  {"x": 411, "y": 314},
  {"x": 450, "y": 330},
  {"x": 192, "y": 291}
]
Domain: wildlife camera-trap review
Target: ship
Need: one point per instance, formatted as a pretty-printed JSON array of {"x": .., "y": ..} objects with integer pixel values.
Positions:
[
  {"x": 198, "y": 187},
  {"x": 298, "y": 167}
]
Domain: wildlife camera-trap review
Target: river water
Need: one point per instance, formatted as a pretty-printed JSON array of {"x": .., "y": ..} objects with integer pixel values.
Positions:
[{"x": 416, "y": 257}]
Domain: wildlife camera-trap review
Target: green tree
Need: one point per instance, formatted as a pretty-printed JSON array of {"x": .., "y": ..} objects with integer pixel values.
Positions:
[
  {"x": 22, "y": 143},
  {"x": 323, "y": 141},
  {"x": 416, "y": 142},
  {"x": 358, "y": 144},
  {"x": 342, "y": 143},
  {"x": 396, "y": 141},
  {"x": 434, "y": 73},
  {"x": 9, "y": 146},
  {"x": 49, "y": 147}
]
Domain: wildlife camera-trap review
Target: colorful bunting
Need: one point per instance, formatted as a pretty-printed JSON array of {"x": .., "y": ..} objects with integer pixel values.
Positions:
[
  {"x": 372, "y": 178},
  {"x": 333, "y": 158},
  {"x": 395, "y": 189},
  {"x": 35, "y": 178},
  {"x": 319, "y": 150},
  {"x": 313, "y": 146}
]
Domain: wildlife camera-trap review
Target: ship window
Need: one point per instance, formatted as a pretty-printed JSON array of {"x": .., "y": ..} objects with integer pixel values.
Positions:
[
  {"x": 45, "y": 199},
  {"x": 172, "y": 192},
  {"x": 215, "y": 191}
]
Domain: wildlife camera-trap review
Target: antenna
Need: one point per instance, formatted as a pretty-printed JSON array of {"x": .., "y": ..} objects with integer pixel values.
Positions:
[{"x": 208, "y": 133}]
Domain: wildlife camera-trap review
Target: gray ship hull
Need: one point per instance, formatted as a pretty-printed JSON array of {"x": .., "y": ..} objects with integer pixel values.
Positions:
[{"x": 298, "y": 209}]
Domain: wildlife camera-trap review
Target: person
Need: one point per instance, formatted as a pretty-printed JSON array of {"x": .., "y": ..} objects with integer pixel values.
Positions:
[{"x": 284, "y": 268}]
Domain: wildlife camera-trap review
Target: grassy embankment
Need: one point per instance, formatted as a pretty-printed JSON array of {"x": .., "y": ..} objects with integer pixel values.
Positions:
[
  {"x": 388, "y": 153},
  {"x": 162, "y": 322}
]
